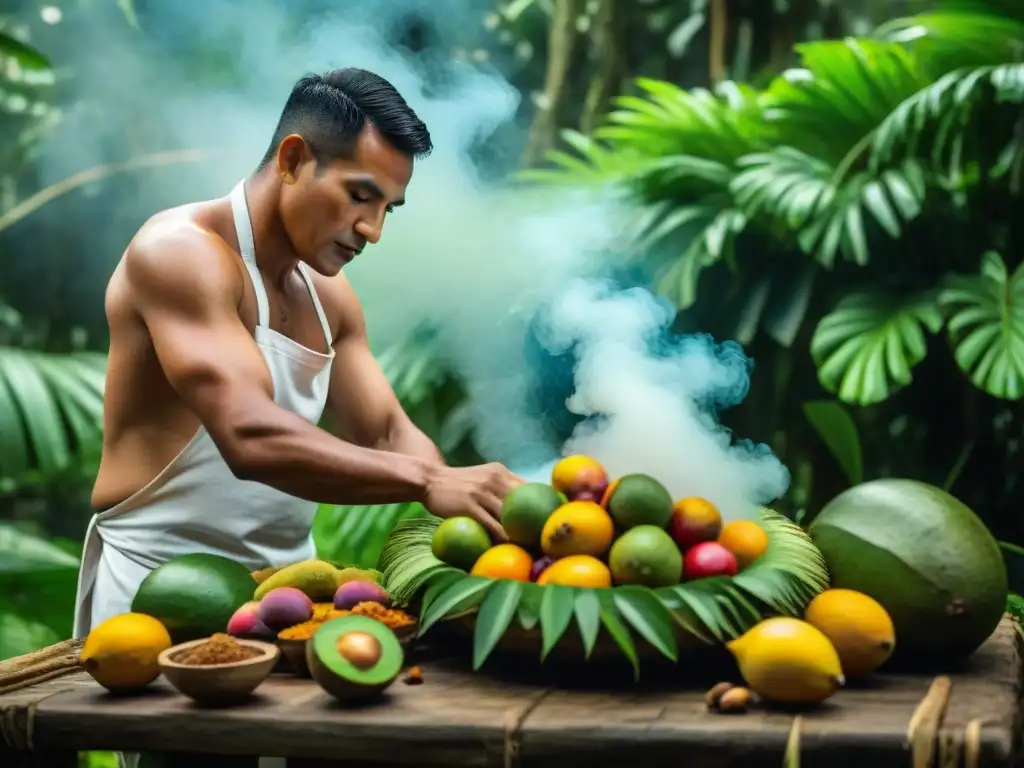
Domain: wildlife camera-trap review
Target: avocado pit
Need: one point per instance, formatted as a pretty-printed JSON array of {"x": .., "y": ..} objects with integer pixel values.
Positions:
[{"x": 360, "y": 649}]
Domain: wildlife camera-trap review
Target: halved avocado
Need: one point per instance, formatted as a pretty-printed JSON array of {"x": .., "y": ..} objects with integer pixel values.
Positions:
[{"x": 354, "y": 658}]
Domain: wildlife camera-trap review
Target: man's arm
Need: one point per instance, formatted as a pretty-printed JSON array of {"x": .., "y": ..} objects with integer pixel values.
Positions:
[
  {"x": 186, "y": 287},
  {"x": 361, "y": 401}
]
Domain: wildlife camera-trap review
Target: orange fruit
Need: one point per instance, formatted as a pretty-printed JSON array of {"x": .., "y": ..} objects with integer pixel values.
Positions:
[
  {"x": 745, "y": 539},
  {"x": 577, "y": 571},
  {"x": 565, "y": 473},
  {"x": 504, "y": 561},
  {"x": 577, "y": 528}
]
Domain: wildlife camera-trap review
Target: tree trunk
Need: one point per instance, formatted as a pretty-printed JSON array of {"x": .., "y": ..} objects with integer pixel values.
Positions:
[
  {"x": 611, "y": 46},
  {"x": 718, "y": 32},
  {"x": 562, "y": 43}
]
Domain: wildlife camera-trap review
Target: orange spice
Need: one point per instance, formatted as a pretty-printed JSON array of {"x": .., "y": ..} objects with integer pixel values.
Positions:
[
  {"x": 392, "y": 617},
  {"x": 323, "y": 612}
]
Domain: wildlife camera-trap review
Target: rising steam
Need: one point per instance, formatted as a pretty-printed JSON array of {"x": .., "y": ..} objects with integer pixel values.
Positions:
[{"x": 473, "y": 260}]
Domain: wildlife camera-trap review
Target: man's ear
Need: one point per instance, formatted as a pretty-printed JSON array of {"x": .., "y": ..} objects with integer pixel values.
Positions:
[{"x": 292, "y": 153}]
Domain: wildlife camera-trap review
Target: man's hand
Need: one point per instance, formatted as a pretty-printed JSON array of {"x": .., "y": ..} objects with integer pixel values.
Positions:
[{"x": 475, "y": 492}]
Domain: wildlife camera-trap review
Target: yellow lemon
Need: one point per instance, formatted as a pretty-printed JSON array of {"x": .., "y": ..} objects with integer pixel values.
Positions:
[
  {"x": 788, "y": 661},
  {"x": 858, "y": 626},
  {"x": 121, "y": 652}
]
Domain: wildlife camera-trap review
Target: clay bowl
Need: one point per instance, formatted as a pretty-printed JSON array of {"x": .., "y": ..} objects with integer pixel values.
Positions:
[
  {"x": 295, "y": 650},
  {"x": 219, "y": 683}
]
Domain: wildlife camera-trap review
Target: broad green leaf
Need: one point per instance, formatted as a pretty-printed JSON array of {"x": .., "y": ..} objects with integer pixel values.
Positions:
[
  {"x": 22, "y": 552},
  {"x": 438, "y": 586},
  {"x": 51, "y": 409},
  {"x": 986, "y": 327},
  {"x": 612, "y": 621},
  {"x": 495, "y": 615},
  {"x": 866, "y": 346},
  {"x": 838, "y": 431},
  {"x": 682, "y": 613},
  {"x": 648, "y": 616},
  {"x": 529, "y": 606},
  {"x": 23, "y": 53},
  {"x": 555, "y": 614},
  {"x": 588, "y": 618},
  {"x": 461, "y": 595}
]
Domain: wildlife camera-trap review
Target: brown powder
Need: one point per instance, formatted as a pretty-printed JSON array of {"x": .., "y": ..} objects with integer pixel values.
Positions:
[{"x": 218, "y": 649}]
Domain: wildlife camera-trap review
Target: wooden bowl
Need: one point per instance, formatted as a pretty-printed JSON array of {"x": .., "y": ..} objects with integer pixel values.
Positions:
[
  {"x": 219, "y": 683},
  {"x": 295, "y": 650},
  {"x": 295, "y": 653}
]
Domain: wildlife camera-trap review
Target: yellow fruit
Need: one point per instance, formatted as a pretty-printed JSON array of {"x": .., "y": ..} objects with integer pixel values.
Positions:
[
  {"x": 577, "y": 571},
  {"x": 504, "y": 561},
  {"x": 858, "y": 627},
  {"x": 745, "y": 539},
  {"x": 789, "y": 661},
  {"x": 565, "y": 473},
  {"x": 577, "y": 528},
  {"x": 121, "y": 652}
]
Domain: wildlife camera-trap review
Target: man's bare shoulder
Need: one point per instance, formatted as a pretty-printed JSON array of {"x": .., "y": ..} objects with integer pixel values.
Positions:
[{"x": 179, "y": 256}]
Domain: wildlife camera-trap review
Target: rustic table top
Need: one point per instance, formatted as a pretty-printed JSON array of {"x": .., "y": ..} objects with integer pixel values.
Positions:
[{"x": 969, "y": 717}]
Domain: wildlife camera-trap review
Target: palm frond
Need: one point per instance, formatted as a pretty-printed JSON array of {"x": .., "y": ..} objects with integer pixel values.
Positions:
[
  {"x": 940, "y": 120},
  {"x": 51, "y": 407},
  {"x": 961, "y": 34}
]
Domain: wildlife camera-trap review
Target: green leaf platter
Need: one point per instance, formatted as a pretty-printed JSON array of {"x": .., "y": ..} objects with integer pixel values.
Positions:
[{"x": 633, "y": 622}]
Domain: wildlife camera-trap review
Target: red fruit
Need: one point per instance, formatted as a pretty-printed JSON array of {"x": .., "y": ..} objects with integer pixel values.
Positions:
[
  {"x": 539, "y": 566},
  {"x": 694, "y": 520},
  {"x": 589, "y": 484},
  {"x": 708, "y": 559}
]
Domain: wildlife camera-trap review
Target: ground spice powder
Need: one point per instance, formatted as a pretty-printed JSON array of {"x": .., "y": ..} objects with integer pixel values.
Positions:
[
  {"x": 218, "y": 649},
  {"x": 323, "y": 612}
]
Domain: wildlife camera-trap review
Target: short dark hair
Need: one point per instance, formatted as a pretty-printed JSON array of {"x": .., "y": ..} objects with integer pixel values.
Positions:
[{"x": 330, "y": 110}]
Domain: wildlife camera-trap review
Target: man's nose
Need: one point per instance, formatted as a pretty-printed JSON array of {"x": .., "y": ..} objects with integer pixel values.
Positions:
[{"x": 370, "y": 229}]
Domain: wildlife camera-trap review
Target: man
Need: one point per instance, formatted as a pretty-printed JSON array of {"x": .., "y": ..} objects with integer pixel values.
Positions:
[{"x": 232, "y": 329}]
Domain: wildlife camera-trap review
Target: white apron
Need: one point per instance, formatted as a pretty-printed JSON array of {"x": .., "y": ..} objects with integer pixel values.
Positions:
[{"x": 196, "y": 504}]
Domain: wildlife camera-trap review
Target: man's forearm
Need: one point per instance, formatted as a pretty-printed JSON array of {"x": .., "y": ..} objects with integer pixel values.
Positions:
[
  {"x": 283, "y": 450},
  {"x": 409, "y": 440}
]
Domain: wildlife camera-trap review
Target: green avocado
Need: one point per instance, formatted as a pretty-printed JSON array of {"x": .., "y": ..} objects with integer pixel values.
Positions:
[
  {"x": 354, "y": 658},
  {"x": 194, "y": 595},
  {"x": 924, "y": 556}
]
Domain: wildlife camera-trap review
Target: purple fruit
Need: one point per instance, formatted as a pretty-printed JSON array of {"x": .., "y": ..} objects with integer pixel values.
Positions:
[
  {"x": 246, "y": 622},
  {"x": 539, "y": 566},
  {"x": 285, "y": 607},
  {"x": 352, "y": 593}
]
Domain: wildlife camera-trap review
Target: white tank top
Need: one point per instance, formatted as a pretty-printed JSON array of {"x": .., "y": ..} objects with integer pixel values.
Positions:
[{"x": 196, "y": 504}]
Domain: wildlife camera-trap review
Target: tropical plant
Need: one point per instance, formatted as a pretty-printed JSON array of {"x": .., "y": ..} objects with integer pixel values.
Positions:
[
  {"x": 670, "y": 619},
  {"x": 869, "y": 140}
]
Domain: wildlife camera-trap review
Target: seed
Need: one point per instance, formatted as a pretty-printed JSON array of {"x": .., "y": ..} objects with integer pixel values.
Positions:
[
  {"x": 712, "y": 697},
  {"x": 735, "y": 700}
]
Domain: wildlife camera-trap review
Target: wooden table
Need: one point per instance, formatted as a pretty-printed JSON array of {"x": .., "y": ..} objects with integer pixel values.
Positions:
[{"x": 457, "y": 719}]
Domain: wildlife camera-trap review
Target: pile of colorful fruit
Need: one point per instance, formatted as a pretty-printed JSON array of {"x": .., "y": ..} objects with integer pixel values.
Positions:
[
  {"x": 585, "y": 530},
  {"x": 201, "y": 596}
]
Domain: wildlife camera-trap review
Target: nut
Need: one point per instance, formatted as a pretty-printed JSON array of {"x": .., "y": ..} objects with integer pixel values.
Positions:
[
  {"x": 735, "y": 700},
  {"x": 714, "y": 696}
]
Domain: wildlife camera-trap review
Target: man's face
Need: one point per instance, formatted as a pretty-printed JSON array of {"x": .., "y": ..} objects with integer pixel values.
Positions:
[{"x": 330, "y": 214}]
